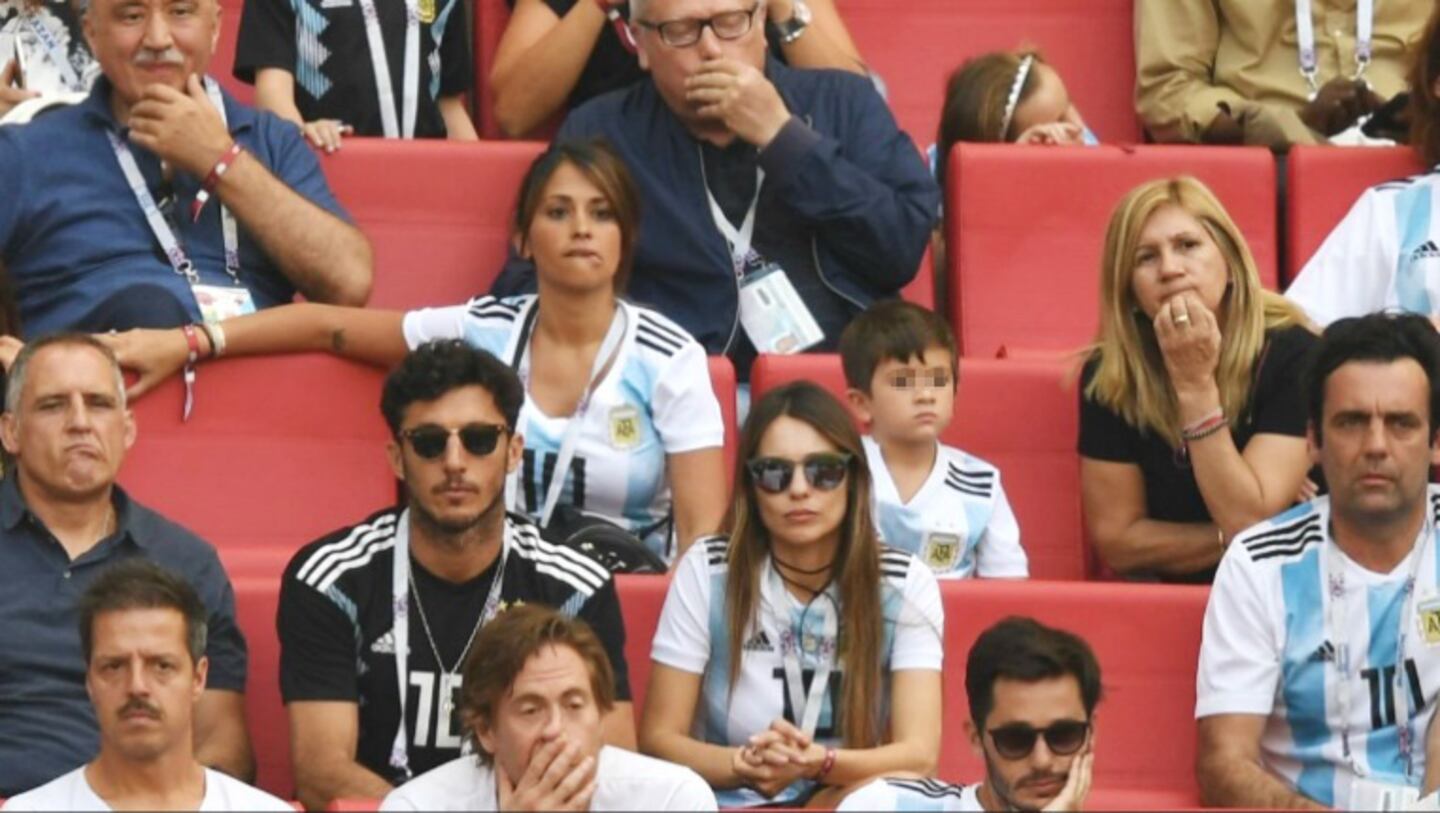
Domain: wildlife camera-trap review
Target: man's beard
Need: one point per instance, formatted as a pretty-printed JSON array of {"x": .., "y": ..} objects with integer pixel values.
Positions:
[
  {"x": 459, "y": 532},
  {"x": 1003, "y": 791}
]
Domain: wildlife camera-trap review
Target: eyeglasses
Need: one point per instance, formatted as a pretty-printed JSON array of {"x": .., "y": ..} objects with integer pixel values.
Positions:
[
  {"x": 479, "y": 439},
  {"x": 1063, "y": 738},
  {"x": 728, "y": 25},
  {"x": 932, "y": 379},
  {"x": 823, "y": 471}
]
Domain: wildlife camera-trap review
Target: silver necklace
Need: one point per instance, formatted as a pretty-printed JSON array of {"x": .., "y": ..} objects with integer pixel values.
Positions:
[{"x": 447, "y": 702}]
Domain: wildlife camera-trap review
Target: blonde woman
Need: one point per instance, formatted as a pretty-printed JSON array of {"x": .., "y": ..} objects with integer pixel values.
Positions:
[
  {"x": 1192, "y": 424},
  {"x": 800, "y": 657}
]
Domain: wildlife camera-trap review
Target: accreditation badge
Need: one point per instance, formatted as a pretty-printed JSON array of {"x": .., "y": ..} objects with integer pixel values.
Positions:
[
  {"x": 625, "y": 427},
  {"x": 426, "y": 10},
  {"x": 220, "y": 302},
  {"x": 1427, "y": 616},
  {"x": 941, "y": 551}
]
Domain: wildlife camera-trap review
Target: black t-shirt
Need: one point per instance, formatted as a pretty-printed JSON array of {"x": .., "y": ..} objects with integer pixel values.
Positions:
[
  {"x": 325, "y": 47},
  {"x": 1277, "y": 406},
  {"x": 336, "y": 641}
]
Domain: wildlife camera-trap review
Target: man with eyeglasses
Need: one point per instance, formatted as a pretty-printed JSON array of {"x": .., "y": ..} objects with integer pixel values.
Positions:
[
  {"x": 1320, "y": 659},
  {"x": 779, "y": 202},
  {"x": 376, "y": 619},
  {"x": 1032, "y": 691}
]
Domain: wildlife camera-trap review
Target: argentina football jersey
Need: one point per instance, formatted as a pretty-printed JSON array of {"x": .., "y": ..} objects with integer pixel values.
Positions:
[
  {"x": 654, "y": 400},
  {"x": 907, "y": 795},
  {"x": 1344, "y": 661}
]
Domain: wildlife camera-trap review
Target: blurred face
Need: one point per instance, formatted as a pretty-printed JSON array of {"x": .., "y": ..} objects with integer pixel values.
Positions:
[
  {"x": 146, "y": 42},
  {"x": 459, "y": 487},
  {"x": 1048, "y": 103},
  {"x": 1175, "y": 255},
  {"x": 574, "y": 237},
  {"x": 551, "y": 702},
  {"x": 909, "y": 401},
  {"x": 1028, "y": 782},
  {"x": 671, "y": 65},
  {"x": 70, "y": 430},
  {"x": 142, "y": 682},
  {"x": 1377, "y": 443},
  {"x": 801, "y": 513}
]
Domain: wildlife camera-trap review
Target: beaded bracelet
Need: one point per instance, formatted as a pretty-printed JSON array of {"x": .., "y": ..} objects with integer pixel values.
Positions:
[{"x": 1205, "y": 427}]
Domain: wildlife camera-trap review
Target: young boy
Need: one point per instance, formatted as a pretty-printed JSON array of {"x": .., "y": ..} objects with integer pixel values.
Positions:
[{"x": 943, "y": 505}]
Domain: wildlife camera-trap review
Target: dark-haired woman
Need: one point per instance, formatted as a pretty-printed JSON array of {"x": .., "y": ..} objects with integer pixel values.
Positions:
[
  {"x": 799, "y": 657},
  {"x": 619, "y": 391}
]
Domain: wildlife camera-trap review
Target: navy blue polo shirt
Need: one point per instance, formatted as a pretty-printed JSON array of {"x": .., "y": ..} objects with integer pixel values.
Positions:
[
  {"x": 73, "y": 236},
  {"x": 47, "y": 725}
]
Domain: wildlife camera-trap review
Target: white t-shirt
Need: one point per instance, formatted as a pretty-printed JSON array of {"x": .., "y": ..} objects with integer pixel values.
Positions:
[
  {"x": 655, "y": 400},
  {"x": 899, "y": 795},
  {"x": 1384, "y": 254},
  {"x": 624, "y": 781},
  {"x": 1287, "y": 609},
  {"x": 73, "y": 792},
  {"x": 959, "y": 522},
  {"x": 693, "y": 636}
]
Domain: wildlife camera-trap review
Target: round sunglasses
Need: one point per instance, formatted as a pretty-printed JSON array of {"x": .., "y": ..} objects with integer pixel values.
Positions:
[
  {"x": 1063, "y": 738},
  {"x": 823, "y": 470},
  {"x": 479, "y": 439}
]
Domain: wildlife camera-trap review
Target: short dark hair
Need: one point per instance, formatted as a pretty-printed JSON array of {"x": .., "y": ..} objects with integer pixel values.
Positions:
[
  {"x": 892, "y": 329},
  {"x": 503, "y": 647},
  {"x": 1023, "y": 649},
  {"x": 1377, "y": 337},
  {"x": 436, "y": 368},
  {"x": 140, "y": 584}
]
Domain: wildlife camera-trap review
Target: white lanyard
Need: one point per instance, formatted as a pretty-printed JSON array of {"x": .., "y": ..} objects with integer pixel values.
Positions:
[
  {"x": 806, "y": 706},
  {"x": 54, "y": 50},
  {"x": 1305, "y": 34},
  {"x": 1335, "y": 584},
  {"x": 738, "y": 239},
  {"x": 400, "y": 630},
  {"x": 384, "y": 88},
  {"x": 179, "y": 260},
  {"x": 604, "y": 358}
]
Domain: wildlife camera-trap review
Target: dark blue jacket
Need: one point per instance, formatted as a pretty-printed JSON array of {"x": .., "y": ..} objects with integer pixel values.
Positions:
[{"x": 841, "y": 170}]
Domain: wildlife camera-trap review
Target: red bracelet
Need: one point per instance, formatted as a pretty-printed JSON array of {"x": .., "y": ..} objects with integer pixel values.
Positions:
[
  {"x": 207, "y": 186},
  {"x": 622, "y": 30},
  {"x": 1204, "y": 427},
  {"x": 827, "y": 764},
  {"x": 192, "y": 339}
]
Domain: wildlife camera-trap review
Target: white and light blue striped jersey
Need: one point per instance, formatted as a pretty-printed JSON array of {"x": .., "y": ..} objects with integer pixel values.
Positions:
[
  {"x": 655, "y": 400},
  {"x": 1385, "y": 254},
  {"x": 903, "y": 795},
  {"x": 693, "y": 636},
  {"x": 959, "y": 523},
  {"x": 1268, "y": 650}
]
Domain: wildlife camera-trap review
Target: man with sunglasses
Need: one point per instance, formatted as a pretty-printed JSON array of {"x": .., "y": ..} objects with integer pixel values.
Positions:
[
  {"x": 394, "y": 602},
  {"x": 779, "y": 202},
  {"x": 1032, "y": 692}
]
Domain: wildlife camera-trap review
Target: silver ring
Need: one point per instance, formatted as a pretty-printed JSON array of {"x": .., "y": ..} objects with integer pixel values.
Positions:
[{"x": 1182, "y": 319}]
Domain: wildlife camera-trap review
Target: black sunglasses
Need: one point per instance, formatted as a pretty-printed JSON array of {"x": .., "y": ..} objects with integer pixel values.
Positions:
[
  {"x": 825, "y": 471},
  {"x": 479, "y": 439},
  {"x": 1063, "y": 738}
]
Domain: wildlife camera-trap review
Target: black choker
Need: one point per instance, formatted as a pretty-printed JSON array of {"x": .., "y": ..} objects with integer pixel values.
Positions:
[{"x": 817, "y": 571}]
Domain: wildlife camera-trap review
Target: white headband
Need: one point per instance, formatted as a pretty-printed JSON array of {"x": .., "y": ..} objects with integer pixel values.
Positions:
[{"x": 1013, "y": 100}]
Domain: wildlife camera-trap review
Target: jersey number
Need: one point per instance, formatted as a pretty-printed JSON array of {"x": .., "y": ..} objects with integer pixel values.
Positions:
[
  {"x": 431, "y": 710},
  {"x": 1381, "y": 682},
  {"x": 825, "y": 729},
  {"x": 536, "y": 487}
]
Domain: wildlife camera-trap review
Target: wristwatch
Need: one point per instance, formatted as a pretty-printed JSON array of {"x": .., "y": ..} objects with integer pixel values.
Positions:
[{"x": 793, "y": 28}]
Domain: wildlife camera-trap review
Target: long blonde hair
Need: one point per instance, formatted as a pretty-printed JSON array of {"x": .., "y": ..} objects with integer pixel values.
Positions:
[
  {"x": 1130, "y": 375},
  {"x": 857, "y": 558}
]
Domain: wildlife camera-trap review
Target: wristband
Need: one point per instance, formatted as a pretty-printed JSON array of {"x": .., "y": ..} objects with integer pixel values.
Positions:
[
  {"x": 216, "y": 335},
  {"x": 1220, "y": 536},
  {"x": 192, "y": 343},
  {"x": 622, "y": 29},
  {"x": 827, "y": 764},
  {"x": 212, "y": 180},
  {"x": 1205, "y": 427}
]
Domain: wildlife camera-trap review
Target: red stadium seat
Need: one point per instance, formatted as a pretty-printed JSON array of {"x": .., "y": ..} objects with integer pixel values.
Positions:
[
  {"x": 914, "y": 46},
  {"x": 353, "y": 805},
  {"x": 265, "y": 461},
  {"x": 222, "y": 62},
  {"x": 437, "y": 213},
  {"x": 256, "y": 600},
  {"x": 641, "y": 599},
  {"x": 722, "y": 378},
  {"x": 491, "y": 17},
  {"x": 1323, "y": 183},
  {"x": 1025, "y": 229},
  {"x": 1019, "y": 415}
]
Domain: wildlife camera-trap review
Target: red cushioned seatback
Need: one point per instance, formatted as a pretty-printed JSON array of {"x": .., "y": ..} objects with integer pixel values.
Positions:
[
  {"x": 437, "y": 213},
  {"x": 222, "y": 62},
  {"x": 722, "y": 378},
  {"x": 914, "y": 45},
  {"x": 641, "y": 600},
  {"x": 1025, "y": 229},
  {"x": 1018, "y": 415},
  {"x": 490, "y": 19},
  {"x": 257, "y": 598},
  {"x": 1323, "y": 183}
]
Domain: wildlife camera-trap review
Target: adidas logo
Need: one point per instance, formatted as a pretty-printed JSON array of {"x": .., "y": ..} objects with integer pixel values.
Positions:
[
  {"x": 1426, "y": 251},
  {"x": 1323, "y": 653},
  {"x": 759, "y": 642},
  {"x": 384, "y": 645}
]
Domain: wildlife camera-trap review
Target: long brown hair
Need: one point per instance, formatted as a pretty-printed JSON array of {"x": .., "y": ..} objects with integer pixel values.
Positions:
[
  {"x": 856, "y": 571},
  {"x": 1424, "y": 106},
  {"x": 975, "y": 96}
]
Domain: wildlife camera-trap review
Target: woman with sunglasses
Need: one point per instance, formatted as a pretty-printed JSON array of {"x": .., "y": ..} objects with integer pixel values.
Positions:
[
  {"x": 799, "y": 656},
  {"x": 617, "y": 396},
  {"x": 556, "y": 54}
]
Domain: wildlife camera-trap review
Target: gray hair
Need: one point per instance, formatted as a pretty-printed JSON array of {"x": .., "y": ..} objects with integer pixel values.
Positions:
[{"x": 15, "y": 378}]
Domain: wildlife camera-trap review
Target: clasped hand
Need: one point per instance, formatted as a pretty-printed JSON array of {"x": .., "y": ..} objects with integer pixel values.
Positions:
[
  {"x": 181, "y": 127},
  {"x": 774, "y": 759},
  {"x": 739, "y": 97}
]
